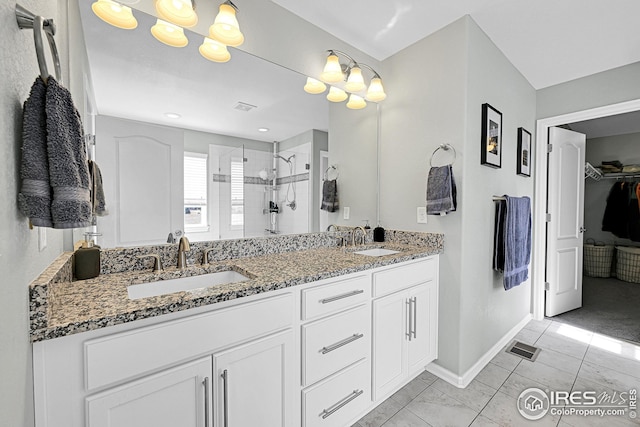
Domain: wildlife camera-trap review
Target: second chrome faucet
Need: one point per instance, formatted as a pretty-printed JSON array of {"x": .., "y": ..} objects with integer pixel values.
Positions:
[{"x": 183, "y": 248}]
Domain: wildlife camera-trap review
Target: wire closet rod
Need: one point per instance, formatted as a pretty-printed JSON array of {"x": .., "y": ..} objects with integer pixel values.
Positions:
[{"x": 28, "y": 20}]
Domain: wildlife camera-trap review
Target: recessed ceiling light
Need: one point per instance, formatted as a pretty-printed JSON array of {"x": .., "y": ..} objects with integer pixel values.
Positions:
[
  {"x": 172, "y": 115},
  {"x": 263, "y": 129}
]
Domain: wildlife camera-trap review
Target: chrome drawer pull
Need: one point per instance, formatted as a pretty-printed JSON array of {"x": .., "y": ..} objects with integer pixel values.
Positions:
[
  {"x": 325, "y": 413},
  {"x": 337, "y": 297},
  {"x": 225, "y": 397},
  {"x": 409, "y": 319},
  {"x": 206, "y": 401},
  {"x": 339, "y": 344},
  {"x": 415, "y": 315}
]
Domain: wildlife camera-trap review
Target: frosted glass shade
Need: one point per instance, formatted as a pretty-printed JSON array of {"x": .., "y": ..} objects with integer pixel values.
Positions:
[
  {"x": 314, "y": 86},
  {"x": 356, "y": 102},
  {"x": 115, "y": 14},
  {"x": 169, "y": 34},
  {"x": 375, "y": 93},
  {"x": 179, "y": 12},
  {"x": 225, "y": 27},
  {"x": 336, "y": 94},
  {"x": 332, "y": 72},
  {"x": 214, "y": 51},
  {"x": 355, "y": 82}
]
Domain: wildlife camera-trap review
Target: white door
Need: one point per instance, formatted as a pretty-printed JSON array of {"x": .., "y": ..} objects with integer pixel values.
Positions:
[
  {"x": 254, "y": 383},
  {"x": 565, "y": 230},
  {"x": 175, "y": 397}
]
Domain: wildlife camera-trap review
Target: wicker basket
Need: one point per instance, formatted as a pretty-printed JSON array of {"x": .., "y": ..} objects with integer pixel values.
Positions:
[
  {"x": 598, "y": 259},
  {"x": 628, "y": 263}
]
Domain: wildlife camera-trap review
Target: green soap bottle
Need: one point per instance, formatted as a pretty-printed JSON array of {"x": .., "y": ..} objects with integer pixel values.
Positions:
[{"x": 87, "y": 260}]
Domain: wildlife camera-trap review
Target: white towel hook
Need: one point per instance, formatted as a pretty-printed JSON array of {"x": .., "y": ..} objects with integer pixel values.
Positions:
[{"x": 445, "y": 147}]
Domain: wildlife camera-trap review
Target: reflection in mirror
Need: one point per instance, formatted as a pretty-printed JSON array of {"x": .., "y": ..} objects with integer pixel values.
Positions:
[{"x": 186, "y": 145}]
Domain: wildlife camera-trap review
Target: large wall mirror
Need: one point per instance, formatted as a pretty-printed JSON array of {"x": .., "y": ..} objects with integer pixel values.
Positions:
[{"x": 186, "y": 145}]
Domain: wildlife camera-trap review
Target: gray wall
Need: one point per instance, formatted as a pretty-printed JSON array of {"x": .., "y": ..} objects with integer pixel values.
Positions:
[
  {"x": 625, "y": 148},
  {"x": 454, "y": 72},
  {"x": 20, "y": 259}
]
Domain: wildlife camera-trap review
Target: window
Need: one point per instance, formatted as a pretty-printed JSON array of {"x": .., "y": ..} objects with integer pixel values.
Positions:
[
  {"x": 237, "y": 193},
  {"x": 195, "y": 192}
]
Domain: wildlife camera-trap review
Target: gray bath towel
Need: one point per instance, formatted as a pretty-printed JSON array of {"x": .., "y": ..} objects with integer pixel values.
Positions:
[
  {"x": 97, "y": 190},
  {"x": 330, "y": 196},
  {"x": 35, "y": 193},
  {"x": 517, "y": 241},
  {"x": 68, "y": 166},
  {"x": 441, "y": 191}
]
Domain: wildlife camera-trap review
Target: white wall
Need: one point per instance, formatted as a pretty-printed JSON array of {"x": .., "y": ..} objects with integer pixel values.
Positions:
[
  {"x": 20, "y": 259},
  {"x": 626, "y": 149}
]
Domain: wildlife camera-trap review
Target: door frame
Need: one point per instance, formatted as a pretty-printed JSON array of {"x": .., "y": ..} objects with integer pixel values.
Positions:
[{"x": 538, "y": 264}]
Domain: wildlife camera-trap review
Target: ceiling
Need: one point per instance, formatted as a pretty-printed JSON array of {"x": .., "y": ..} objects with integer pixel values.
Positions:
[{"x": 548, "y": 41}]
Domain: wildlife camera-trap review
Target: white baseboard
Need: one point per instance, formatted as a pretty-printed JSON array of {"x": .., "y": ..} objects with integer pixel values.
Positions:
[{"x": 464, "y": 380}]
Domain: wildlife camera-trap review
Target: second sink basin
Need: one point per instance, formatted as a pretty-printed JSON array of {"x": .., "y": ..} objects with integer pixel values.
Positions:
[
  {"x": 162, "y": 287},
  {"x": 376, "y": 252}
]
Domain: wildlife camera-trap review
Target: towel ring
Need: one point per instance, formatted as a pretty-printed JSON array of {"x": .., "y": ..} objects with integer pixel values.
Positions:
[
  {"x": 326, "y": 172},
  {"x": 27, "y": 20},
  {"x": 445, "y": 147}
]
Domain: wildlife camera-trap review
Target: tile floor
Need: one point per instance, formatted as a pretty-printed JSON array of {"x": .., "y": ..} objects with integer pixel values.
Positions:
[{"x": 571, "y": 359}]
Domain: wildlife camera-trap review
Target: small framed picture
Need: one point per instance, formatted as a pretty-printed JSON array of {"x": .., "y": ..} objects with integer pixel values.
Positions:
[
  {"x": 524, "y": 153},
  {"x": 491, "y": 145}
]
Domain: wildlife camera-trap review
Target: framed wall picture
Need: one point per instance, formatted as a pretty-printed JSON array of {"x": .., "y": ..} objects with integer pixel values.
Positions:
[
  {"x": 524, "y": 153},
  {"x": 491, "y": 145}
]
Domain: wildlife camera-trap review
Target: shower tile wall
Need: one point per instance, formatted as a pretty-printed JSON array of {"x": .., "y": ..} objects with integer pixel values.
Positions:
[{"x": 295, "y": 221}]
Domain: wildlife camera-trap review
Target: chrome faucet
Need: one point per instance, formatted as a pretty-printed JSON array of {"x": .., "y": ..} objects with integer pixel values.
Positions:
[
  {"x": 183, "y": 248},
  {"x": 353, "y": 235}
]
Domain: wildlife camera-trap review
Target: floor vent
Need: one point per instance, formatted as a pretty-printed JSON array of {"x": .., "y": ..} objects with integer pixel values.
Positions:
[{"x": 523, "y": 350}]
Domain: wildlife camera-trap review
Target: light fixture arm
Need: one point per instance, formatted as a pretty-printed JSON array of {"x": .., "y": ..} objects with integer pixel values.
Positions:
[
  {"x": 352, "y": 62},
  {"x": 230, "y": 3},
  {"x": 375, "y": 73}
]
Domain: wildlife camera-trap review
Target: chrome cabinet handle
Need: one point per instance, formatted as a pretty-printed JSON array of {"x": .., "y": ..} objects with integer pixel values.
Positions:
[
  {"x": 225, "y": 397},
  {"x": 339, "y": 344},
  {"x": 326, "y": 412},
  {"x": 337, "y": 297},
  {"x": 205, "y": 382},
  {"x": 409, "y": 318},
  {"x": 414, "y": 300}
]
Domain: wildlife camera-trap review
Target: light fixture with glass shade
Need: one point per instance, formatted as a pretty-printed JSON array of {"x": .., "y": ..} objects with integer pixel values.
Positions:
[
  {"x": 179, "y": 12},
  {"x": 225, "y": 27},
  {"x": 354, "y": 83},
  {"x": 336, "y": 94},
  {"x": 314, "y": 86},
  {"x": 214, "y": 51},
  {"x": 169, "y": 34},
  {"x": 356, "y": 102},
  {"x": 115, "y": 14}
]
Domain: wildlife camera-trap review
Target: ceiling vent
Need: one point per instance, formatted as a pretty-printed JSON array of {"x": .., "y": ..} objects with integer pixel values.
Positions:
[
  {"x": 523, "y": 350},
  {"x": 243, "y": 106}
]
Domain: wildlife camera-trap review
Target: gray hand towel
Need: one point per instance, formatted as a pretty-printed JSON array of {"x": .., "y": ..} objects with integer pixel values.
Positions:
[
  {"x": 68, "y": 166},
  {"x": 35, "y": 194},
  {"x": 97, "y": 190},
  {"x": 330, "y": 196},
  {"x": 441, "y": 191},
  {"x": 517, "y": 241}
]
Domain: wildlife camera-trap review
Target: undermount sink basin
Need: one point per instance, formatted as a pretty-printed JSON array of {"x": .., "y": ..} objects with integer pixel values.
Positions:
[
  {"x": 162, "y": 287},
  {"x": 376, "y": 252}
]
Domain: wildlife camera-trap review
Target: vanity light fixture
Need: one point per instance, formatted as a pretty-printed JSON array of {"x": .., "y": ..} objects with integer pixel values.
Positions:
[
  {"x": 354, "y": 86},
  {"x": 225, "y": 27},
  {"x": 214, "y": 51},
  {"x": 169, "y": 34},
  {"x": 178, "y": 12},
  {"x": 314, "y": 86},
  {"x": 115, "y": 14}
]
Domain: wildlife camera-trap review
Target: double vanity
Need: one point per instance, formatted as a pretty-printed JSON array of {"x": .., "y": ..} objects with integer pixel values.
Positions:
[{"x": 279, "y": 331}]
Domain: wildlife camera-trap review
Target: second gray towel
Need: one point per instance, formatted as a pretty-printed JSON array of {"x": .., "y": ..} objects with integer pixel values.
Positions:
[{"x": 441, "y": 191}]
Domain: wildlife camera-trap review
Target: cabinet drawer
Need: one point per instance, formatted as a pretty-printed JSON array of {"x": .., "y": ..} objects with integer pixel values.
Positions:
[
  {"x": 405, "y": 276},
  {"x": 339, "y": 400},
  {"x": 335, "y": 296},
  {"x": 334, "y": 343},
  {"x": 118, "y": 357}
]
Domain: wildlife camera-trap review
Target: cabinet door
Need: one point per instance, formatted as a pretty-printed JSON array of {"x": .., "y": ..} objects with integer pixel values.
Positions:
[
  {"x": 390, "y": 329},
  {"x": 175, "y": 397},
  {"x": 254, "y": 385},
  {"x": 423, "y": 326}
]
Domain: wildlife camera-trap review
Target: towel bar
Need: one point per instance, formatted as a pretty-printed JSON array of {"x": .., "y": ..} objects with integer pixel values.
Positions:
[
  {"x": 445, "y": 147},
  {"x": 27, "y": 20}
]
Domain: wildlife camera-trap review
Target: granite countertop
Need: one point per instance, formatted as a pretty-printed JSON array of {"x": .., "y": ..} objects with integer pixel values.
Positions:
[{"x": 69, "y": 307}]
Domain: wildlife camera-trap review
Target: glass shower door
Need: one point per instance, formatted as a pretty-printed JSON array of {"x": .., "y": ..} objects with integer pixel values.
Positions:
[{"x": 231, "y": 194}]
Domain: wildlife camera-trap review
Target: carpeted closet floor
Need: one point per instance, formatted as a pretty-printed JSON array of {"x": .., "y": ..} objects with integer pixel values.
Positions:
[{"x": 609, "y": 307}]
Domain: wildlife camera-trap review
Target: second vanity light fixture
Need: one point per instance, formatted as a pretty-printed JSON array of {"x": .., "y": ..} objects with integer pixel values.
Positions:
[
  {"x": 173, "y": 17},
  {"x": 335, "y": 72}
]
